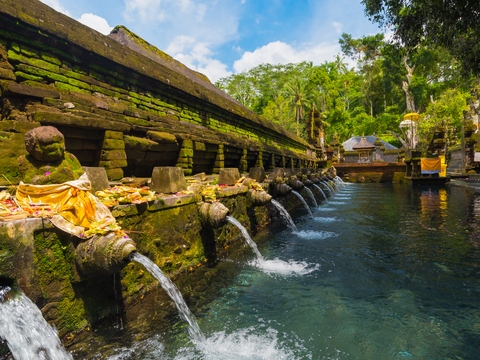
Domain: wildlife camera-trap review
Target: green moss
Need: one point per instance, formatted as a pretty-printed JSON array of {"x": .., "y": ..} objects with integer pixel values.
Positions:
[
  {"x": 67, "y": 87},
  {"x": 136, "y": 143},
  {"x": 56, "y": 172},
  {"x": 50, "y": 58},
  {"x": 6, "y": 254},
  {"x": 54, "y": 270},
  {"x": 24, "y": 76},
  {"x": 112, "y": 144},
  {"x": 116, "y": 135}
]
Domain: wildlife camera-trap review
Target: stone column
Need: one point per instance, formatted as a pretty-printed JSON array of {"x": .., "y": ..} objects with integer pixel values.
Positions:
[
  {"x": 243, "y": 161},
  {"x": 185, "y": 157},
  {"x": 219, "y": 160},
  {"x": 113, "y": 156},
  {"x": 259, "y": 162},
  {"x": 272, "y": 162}
]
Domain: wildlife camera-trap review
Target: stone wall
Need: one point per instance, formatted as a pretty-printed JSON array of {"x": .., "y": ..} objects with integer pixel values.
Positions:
[
  {"x": 41, "y": 259},
  {"x": 372, "y": 173},
  {"x": 121, "y": 103}
]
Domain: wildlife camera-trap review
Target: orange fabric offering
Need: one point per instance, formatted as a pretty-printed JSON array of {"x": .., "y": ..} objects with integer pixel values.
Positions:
[
  {"x": 71, "y": 200},
  {"x": 430, "y": 165}
]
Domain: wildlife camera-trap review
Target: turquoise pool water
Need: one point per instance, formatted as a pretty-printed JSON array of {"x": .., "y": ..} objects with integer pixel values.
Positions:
[{"x": 378, "y": 272}]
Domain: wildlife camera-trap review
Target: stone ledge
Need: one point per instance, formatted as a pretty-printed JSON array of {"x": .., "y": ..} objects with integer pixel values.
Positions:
[
  {"x": 231, "y": 191},
  {"x": 171, "y": 201}
]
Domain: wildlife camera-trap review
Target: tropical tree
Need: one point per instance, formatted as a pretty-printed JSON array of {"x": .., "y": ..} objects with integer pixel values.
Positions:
[
  {"x": 277, "y": 111},
  {"x": 454, "y": 25},
  {"x": 299, "y": 92},
  {"x": 449, "y": 109},
  {"x": 240, "y": 87}
]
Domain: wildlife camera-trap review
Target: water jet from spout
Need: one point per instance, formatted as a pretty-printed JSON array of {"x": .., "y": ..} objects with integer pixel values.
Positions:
[
  {"x": 300, "y": 197},
  {"x": 27, "y": 333},
  {"x": 311, "y": 196},
  {"x": 284, "y": 215},
  {"x": 321, "y": 191},
  {"x": 194, "y": 331},
  {"x": 247, "y": 238}
]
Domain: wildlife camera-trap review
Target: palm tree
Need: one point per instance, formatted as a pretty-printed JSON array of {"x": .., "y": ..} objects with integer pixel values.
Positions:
[{"x": 299, "y": 93}]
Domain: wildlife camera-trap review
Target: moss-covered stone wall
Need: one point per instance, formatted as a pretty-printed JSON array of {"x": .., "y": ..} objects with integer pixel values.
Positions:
[
  {"x": 100, "y": 93},
  {"x": 41, "y": 259}
]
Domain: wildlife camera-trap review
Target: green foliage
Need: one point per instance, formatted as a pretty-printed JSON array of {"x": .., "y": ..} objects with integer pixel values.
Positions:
[
  {"x": 447, "y": 110},
  {"x": 389, "y": 81},
  {"x": 453, "y": 25}
]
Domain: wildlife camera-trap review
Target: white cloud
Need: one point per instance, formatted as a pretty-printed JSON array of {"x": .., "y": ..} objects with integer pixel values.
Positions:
[
  {"x": 96, "y": 22},
  {"x": 338, "y": 27},
  {"x": 197, "y": 56},
  {"x": 282, "y": 53},
  {"x": 207, "y": 21},
  {"x": 144, "y": 10},
  {"x": 187, "y": 30},
  {"x": 55, "y": 4},
  {"x": 91, "y": 20}
]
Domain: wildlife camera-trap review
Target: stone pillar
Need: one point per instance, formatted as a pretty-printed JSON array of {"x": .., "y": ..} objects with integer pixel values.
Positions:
[
  {"x": 168, "y": 179},
  {"x": 243, "y": 161},
  {"x": 284, "y": 161},
  {"x": 185, "y": 157},
  {"x": 272, "y": 162},
  {"x": 219, "y": 159},
  {"x": 259, "y": 162},
  {"x": 113, "y": 156}
]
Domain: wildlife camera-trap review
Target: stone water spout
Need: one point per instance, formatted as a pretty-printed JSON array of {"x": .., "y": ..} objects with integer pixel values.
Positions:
[
  {"x": 213, "y": 214},
  {"x": 104, "y": 254},
  {"x": 258, "y": 197},
  {"x": 295, "y": 183},
  {"x": 279, "y": 188},
  {"x": 307, "y": 182}
]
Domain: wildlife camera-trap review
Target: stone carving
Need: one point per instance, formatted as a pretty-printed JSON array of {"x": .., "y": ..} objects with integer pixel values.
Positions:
[{"x": 47, "y": 162}]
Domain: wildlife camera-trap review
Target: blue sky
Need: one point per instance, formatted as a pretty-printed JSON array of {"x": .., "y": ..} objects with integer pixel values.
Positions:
[{"x": 222, "y": 37}]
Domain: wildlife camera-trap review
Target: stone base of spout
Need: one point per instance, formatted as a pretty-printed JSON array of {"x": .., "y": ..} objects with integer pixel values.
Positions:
[
  {"x": 258, "y": 197},
  {"x": 296, "y": 184},
  {"x": 279, "y": 189},
  {"x": 106, "y": 254},
  {"x": 213, "y": 215}
]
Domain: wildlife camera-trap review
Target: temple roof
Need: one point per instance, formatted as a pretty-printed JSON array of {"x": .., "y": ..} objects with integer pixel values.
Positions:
[{"x": 351, "y": 144}]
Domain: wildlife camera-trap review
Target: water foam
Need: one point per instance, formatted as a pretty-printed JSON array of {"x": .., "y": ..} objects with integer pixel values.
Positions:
[
  {"x": 281, "y": 267},
  {"x": 315, "y": 235},
  {"x": 246, "y": 344},
  {"x": 325, "y": 219}
]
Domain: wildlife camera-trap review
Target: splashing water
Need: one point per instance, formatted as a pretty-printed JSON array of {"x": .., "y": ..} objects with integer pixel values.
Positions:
[
  {"x": 291, "y": 267},
  {"x": 284, "y": 215},
  {"x": 247, "y": 238},
  {"x": 300, "y": 197},
  {"x": 339, "y": 181},
  {"x": 26, "y": 332},
  {"x": 4, "y": 291},
  {"x": 250, "y": 343},
  {"x": 311, "y": 196},
  {"x": 325, "y": 219},
  {"x": 194, "y": 331},
  {"x": 315, "y": 235}
]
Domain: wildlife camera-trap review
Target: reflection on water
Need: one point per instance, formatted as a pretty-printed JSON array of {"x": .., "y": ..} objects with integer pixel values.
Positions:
[{"x": 398, "y": 277}]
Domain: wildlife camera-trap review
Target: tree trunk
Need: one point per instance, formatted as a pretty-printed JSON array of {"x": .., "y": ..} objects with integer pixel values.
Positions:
[{"x": 406, "y": 86}]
